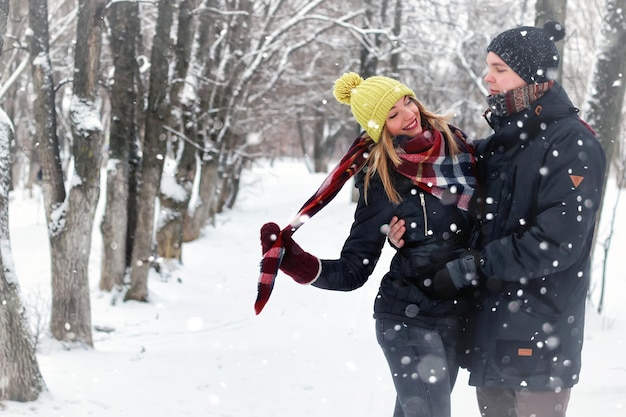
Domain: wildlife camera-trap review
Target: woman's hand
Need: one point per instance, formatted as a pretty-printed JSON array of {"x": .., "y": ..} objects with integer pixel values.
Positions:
[
  {"x": 396, "y": 231},
  {"x": 300, "y": 265}
]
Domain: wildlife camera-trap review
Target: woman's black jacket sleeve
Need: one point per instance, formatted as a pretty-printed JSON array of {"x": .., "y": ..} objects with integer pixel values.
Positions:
[{"x": 363, "y": 247}]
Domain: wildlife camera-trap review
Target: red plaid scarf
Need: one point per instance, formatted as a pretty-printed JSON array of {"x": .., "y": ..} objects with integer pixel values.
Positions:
[
  {"x": 426, "y": 161},
  {"x": 351, "y": 163}
]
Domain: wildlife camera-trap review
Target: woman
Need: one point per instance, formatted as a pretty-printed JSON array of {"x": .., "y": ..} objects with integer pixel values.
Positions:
[{"x": 418, "y": 169}]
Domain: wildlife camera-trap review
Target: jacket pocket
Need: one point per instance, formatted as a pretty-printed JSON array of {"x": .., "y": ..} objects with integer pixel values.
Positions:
[
  {"x": 534, "y": 308},
  {"x": 522, "y": 358}
]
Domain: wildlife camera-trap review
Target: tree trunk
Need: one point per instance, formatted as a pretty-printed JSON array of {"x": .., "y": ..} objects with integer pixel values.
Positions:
[
  {"x": 202, "y": 210},
  {"x": 4, "y": 16},
  {"x": 199, "y": 210},
  {"x": 70, "y": 315},
  {"x": 604, "y": 106},
  {"x": 394, "y": 63},
  {"x": 320, "y": 150},
  {"x": 124, "y": 31},
  {"x": 44, "y": 110},
  {"x": 70, "y": 319},
  {"x": 169, "y": 234},
  {"x": 154, "y": 148},
  {"x": 369, "y": 63},
  {"x": 174, "y": 199},
  {"x": 547, "y": 10},
  {"x": 606, "y": 91},
  {"x": 220, "y": 99},
  {"x": 19, "y": 370}
]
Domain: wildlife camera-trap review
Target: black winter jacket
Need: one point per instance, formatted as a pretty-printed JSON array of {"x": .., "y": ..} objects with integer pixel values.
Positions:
[
  {"x": 439, "y": 233},
  {"x": 541, "y": 174}
]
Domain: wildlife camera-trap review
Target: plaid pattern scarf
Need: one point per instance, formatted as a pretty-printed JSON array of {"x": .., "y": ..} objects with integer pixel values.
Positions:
[
  {"x": 351, "y": 163},
  {"x": 427, "y": 161}
]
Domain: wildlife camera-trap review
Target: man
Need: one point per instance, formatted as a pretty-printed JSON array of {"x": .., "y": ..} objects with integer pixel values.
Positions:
[{"x": 540, "y": 175}]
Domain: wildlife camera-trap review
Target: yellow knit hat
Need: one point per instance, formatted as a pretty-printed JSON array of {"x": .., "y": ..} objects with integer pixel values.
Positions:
[{"x": 370, "y": 99}]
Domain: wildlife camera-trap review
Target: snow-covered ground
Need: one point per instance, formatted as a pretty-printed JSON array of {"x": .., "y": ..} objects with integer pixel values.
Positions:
[{"x": 198, "y": 349}]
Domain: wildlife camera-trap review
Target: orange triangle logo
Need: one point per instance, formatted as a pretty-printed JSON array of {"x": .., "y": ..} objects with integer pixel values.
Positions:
[{"x": 576, "y": 180}]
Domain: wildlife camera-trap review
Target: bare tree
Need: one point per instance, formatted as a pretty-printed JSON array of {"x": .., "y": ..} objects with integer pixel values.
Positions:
[
  {"x": 153, "y": 154},
  {"x": 242, "y": 68},
  {"x": 52, "y": 179},
  {"x": 174, "y": 198},
  {"x": 123, "y": 139},
  {"x": 15, "y": 63},
  {"x": 201, "y": 209},
  {"x": 604, "y": 106},
  {"x": 552, "y": 10},
  {"x": 44, "y": 109},
  {"x": 233, "y": 74},
  {"x": 17, "y": 90},
  {"x": 19, "y": 370},
  {"x": 69, "y": 215},
  {"x": 70, "y": 237},
  {"x": 370, "y": 42}
]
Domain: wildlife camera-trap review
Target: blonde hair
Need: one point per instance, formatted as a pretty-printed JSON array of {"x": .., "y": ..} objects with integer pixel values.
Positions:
[{"x": 383, "y": 156}]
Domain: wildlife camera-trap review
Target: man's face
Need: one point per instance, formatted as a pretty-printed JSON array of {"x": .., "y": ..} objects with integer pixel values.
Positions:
[{"x": 500, "y": 77}]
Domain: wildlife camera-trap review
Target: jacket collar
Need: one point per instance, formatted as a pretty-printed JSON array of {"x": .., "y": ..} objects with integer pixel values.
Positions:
[{"x": 525, "y": 124}]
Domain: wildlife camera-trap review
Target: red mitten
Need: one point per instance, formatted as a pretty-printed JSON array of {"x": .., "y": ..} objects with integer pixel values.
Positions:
[
  {"x": 269, "y": 234},
  {"x": 303, "y": 267}
]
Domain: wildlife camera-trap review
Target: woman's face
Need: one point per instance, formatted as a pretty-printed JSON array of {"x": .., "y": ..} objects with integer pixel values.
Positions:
[
  {"x": 500, "y": 77},
  {"x": 404, "y": 118}
]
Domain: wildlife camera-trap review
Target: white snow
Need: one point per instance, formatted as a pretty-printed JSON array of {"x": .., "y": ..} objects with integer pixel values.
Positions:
[
  {"x": 169, "y": 187},
  {"x": 86, "y": 115},
  {"x": 198, "y": 349}
]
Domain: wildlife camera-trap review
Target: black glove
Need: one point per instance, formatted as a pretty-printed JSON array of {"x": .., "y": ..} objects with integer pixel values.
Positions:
[
  {"x": 303, "y": 267},
  {"x": 457, "y": 274}
]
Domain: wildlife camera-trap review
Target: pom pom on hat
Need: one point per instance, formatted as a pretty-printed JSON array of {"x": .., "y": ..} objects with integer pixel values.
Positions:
[
  {"x": 370, "y": 100},
  {"x": 555, "y": 30},
  {"x": 345, "y": 85},
  {"x": 530, "y": 51}
]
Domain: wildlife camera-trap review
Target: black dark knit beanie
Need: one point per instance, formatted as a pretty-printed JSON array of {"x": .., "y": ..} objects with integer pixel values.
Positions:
[{"x": 530, "y": 51}]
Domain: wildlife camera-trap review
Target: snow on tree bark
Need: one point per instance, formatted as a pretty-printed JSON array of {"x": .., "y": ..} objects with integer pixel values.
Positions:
[
  {"x": 20, "y": 378},
  {"x": 174, "y": 201},
  {"x": 70, "y": 318}
]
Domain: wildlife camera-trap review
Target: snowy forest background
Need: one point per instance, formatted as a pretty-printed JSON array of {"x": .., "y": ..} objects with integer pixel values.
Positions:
[{"x": 167, "y": 103}]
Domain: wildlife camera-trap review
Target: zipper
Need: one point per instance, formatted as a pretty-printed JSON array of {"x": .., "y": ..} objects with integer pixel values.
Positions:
[{"x": 423, "y": 203}]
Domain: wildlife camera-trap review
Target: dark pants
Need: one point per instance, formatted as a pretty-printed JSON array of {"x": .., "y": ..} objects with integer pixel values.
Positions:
[
  {"x": 423, "y": 365},
  {"x": 501, "y": 402}
]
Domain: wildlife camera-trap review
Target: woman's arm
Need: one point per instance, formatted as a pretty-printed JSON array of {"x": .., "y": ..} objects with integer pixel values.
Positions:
[{"x": 363, "y": 247}]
